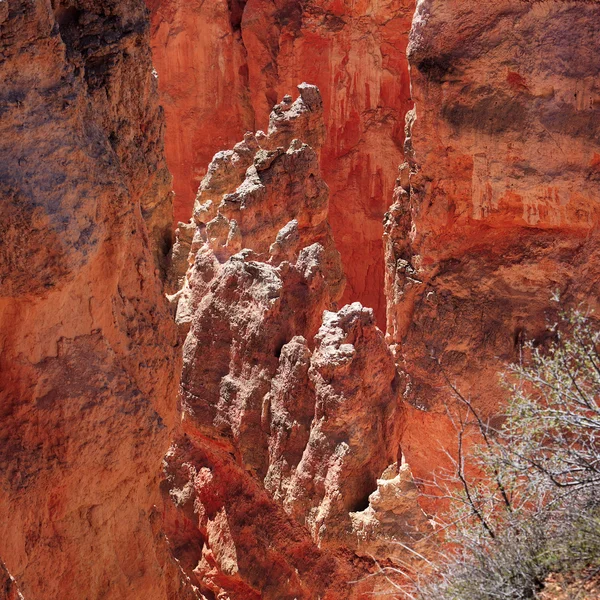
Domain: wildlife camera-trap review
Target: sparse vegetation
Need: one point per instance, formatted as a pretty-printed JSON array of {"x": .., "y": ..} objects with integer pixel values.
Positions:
[{"x": 528, "y": 507}]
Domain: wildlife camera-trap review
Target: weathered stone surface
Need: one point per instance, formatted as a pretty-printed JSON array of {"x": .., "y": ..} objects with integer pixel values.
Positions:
[
  {"x": 201, "y": 62},
  {"x": 393, "y": 520},
  {"x": 354, "y": 387},
  {"x": 8, "y": 586},
  {"x": 89, "y": 362},
  {"x": 282, "y": 479},
  {"x": 291, "y": 412},
  {"x": 353, "y": 51},
  {"x": 498, "y": 205}
]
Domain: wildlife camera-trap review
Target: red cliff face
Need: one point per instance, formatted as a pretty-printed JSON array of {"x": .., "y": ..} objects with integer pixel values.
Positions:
[
  {"x": 222, "y": 65},
  {"x": 201, "y": 62},
  {"x": 498, "y": 206},
  {"x": 285, "y": 474},
  {"x": 89, "y": 362}
]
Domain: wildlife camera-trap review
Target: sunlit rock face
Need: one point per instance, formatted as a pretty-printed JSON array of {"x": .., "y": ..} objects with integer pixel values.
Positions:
[
  {"x": 222, "y": 66},
  {"x": 497, "y": 207},
  {"x": 262, "y": 445},
  {"x": 89, "y": 354},
  {"x": 291, "y": 408}
]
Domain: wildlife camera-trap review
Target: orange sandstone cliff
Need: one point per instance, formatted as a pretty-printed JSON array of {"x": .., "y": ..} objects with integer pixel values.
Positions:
[
  {"x": 90, "y": 358},
  {"x": 498, "y": 204},
  {"x": 254, "y": 438},
  {"x": 222, "y": 66}
]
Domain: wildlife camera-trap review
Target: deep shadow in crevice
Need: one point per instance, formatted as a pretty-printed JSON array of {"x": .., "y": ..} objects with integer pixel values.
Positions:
[{"x": 236, "y": 12}]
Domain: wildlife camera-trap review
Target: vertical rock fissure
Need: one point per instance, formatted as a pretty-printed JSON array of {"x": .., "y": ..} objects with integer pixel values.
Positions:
[{"x": 236, "y": 11}]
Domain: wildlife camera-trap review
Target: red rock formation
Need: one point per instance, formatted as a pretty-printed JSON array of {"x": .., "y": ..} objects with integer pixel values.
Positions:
[
  {"x": 285, "y": 474},
  {"x": 499, "y": 205},
  {"x": 89, "y": 362},
  {"x": 203, "y": 76},
  {"x": 290, "y": 413},
  {"x": 354, "y": 52}
]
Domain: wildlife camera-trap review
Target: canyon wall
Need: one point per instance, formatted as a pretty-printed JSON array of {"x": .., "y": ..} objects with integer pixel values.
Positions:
[
  {"x": 497, "y": 206},
  {"x": 282, "y": 478},
  {"x": 222, "y": 65},
  {"x": 89, "y": 353},
  {"x": 285, "y": 474}
]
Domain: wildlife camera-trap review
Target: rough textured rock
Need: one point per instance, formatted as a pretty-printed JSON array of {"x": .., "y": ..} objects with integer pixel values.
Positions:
[
  {"x": 291, "y": 412},
  {"x": 498, "y": 205},
  {"x": 393, "y": 520},
  {"x": 8, "y": 586},
  {"x": 89, "y": 362},
  {"x": 289, "y": 469},
  {"x": 353, "y": 51},
  {"x": 203, "y": 75},
  {"x": 327, "y": 470}
]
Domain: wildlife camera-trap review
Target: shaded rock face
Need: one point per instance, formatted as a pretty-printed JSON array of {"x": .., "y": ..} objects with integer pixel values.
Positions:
[
  {"x": 222, "y": 66},
  {"x": 89, "y": 361},
  {"x": 498, "y": 205},
  {"x": 291, "y": 411},
  {"x": 8, "y": 586}
]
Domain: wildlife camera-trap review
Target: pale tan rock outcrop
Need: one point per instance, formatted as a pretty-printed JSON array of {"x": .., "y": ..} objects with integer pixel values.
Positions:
[
  {"x": 394, "y": 522},
  {"x": 498, "y": 205},
  {"x": 353, "y": 389},
  {"x": 89, "y": 355}
]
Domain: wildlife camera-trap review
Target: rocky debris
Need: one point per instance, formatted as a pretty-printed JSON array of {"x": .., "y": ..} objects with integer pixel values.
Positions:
[
  {"x": 496, "y": 208},
  {"x": 89, "y": 363},
  {"x": 291, "y": 412},
  {"x": 354, "y": 52}
]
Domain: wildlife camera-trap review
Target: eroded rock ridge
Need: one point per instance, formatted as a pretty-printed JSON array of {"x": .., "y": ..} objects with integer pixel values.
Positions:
[{"x": 291, "y": 410}]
